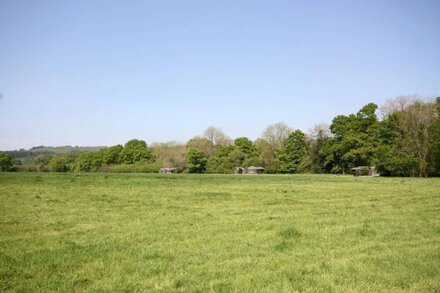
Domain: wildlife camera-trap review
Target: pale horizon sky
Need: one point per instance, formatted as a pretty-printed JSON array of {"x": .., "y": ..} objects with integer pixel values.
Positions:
[{"x": 102, "y": 72}]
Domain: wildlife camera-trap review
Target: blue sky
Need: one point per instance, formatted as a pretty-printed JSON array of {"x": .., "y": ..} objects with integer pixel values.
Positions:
[{"x": 102, "y": 72}]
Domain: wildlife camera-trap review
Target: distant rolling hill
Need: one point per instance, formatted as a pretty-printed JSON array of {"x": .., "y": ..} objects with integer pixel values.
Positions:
[{"x": 48, "y": 150}]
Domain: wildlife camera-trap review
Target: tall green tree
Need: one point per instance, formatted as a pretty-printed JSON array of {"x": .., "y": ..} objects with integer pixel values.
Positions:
[
  {"x": 225, "y": 160},
  {"x": 266, "y": 156},
  {"x": 203, "y": 144},
  {"x": 292, "y": 152},
  {"x": 315, "y": 158},
  {"x": 5, "y": 161},
  {"x": 242, "y": 153},
  {"x": 61, "y": 163},
  {"x": 246, "y": 146},
  {"x": 356, "y": 140},
  {"x": 111, "y": 155},
  {"x": 134, "y": 151},
  {"x": 89, "y": 161},
  {"x": 411, "y": 134},
  {"x": 434, "y": 143},
  {"x": 414, "y": 134},
  {"x": 196, "y": 161},
  {"x": 248, "y": 151}
]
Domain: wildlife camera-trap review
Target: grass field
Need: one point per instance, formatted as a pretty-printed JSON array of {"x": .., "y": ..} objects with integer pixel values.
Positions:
[{"x": 222, "y": 233}]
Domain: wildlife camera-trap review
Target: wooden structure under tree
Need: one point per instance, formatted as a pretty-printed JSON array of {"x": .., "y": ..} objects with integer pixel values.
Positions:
[
  {"x": 249, "y": 170},
  {"x": 168, "y": 170},
  {"x": 364, "y": 171}
]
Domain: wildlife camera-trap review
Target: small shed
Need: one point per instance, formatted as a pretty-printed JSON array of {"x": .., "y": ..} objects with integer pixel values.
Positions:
[
  {"x": 364, "y": 171},
  {"x": 255, "y": 170},
  {"x": 168, "y": 170},
  {"x": 249, "y": 170}
]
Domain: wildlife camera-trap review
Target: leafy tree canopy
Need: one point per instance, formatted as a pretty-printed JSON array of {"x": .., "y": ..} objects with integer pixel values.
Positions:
[
  {"x": 5, "y": 161},
  {"x": 134, "y": 151}
]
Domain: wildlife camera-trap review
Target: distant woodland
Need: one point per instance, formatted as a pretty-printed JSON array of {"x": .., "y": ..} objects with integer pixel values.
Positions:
[{"x": 399, "y": 138}]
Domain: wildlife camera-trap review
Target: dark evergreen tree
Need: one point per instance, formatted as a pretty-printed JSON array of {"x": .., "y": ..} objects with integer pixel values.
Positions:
[{"x": 292, "y": 152}]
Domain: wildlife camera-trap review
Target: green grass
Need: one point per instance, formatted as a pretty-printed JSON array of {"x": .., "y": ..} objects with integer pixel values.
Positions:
[{"x": 222, "y": 233}]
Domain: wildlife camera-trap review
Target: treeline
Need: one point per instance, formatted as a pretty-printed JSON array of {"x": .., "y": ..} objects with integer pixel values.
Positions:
[
  {"x": 403, "y": 139},
  {"x": 43, "y": 150}
]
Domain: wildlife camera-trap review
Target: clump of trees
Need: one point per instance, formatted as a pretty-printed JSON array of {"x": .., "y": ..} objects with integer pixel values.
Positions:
[
  {"x": 292, "y": 153},
  {"x": 403, "y": 140},
  {"x": 412, "y": 130},
  {"x": 5, "y": 161}
]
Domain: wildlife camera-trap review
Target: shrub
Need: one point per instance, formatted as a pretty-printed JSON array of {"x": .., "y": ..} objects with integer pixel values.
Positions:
[
  {"x": 5, "y": 161},
  {"x": 196, "y": 161},
  {"x": 135, "y": 151}
]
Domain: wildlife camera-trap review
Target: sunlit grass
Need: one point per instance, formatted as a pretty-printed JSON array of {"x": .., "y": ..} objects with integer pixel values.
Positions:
[{"x": 136, "y": 232}]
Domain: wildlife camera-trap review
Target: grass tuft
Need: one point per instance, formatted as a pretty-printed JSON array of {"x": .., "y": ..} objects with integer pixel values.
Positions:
[{"x": 290, "y": 233}]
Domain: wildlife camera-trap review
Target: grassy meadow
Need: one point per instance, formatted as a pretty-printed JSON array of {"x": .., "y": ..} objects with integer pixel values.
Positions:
[{"x": 219, "y": 233}]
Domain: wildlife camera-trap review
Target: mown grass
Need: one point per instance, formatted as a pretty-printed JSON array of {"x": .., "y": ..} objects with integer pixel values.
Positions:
[{"x": 222, "y": 233}]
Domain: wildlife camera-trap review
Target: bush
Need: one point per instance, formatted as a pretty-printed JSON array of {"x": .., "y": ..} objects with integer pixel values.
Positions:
[
  {"x": 5, "y": 161},
  {"x": 59, "y": 164},
  {"x": 196, "y": 161},
  {"x": 88, "y": 162},
  {"x": 135, "y": 151}
]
